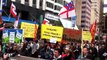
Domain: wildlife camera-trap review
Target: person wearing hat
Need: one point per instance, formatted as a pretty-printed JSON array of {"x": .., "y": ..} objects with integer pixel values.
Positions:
[{"x": 68, "y": 54}]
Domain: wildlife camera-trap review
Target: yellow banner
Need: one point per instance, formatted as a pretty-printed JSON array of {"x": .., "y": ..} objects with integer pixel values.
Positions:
[
  {"x": 29, "y": 29},
  {"x": 50, "y": 32},
  {"x": 86, "y": 36}
]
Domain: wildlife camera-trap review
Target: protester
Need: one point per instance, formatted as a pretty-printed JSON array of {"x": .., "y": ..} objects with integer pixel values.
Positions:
[
  {"x": 46, "y": 52},
  {"x": 68, "y": 54},
  {"x": 35, "y": 48},
  {"x": 57, "y": 55},
  {"x": 86, "y": 55},
  {"x": 93, "y": 51},
  {"x": 102, "y": 50}
]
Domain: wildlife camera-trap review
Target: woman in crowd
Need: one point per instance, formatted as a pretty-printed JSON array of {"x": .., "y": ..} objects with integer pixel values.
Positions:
[{"x": 68, "y": 53}]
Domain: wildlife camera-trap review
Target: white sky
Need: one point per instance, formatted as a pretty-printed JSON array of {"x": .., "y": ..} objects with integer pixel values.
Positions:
[
  {"x": 105, "y": 1},
  {"x": 105, "y": 9}
]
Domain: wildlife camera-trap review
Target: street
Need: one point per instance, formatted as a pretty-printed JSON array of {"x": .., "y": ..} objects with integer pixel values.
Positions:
[{"x": 24, "y": 58}]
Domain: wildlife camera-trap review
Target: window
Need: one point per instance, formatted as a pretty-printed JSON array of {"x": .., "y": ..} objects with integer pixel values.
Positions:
[
  {"x": 49, "y": 5},
  {"x": 18, "y": 1},
  {"x": 59, "y": 1},
  {"x": 84, "y": 2},
  {"x": 26, "y": 2},
  {"x": 34, "y": 1},
  {"x": 83, "y": 11},
  {"x": 57, "y": 8},
  {"x": 83, "y": 16},
  {"x": 41, "y": 1},
  {"x": 83, "y": 21},
  {"x": 83, "y": 6}
]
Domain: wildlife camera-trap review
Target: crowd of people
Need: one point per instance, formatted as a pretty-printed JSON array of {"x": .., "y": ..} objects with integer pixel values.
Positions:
[{"x": 58, "y": 51}]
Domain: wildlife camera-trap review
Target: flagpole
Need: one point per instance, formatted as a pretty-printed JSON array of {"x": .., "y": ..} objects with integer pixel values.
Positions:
[
  {"x": 81, "y": 44},
  {"x": 1, "y": 6}
]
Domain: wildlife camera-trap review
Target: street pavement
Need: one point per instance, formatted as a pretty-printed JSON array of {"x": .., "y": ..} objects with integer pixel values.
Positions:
[{"x": 24, "y": 58}]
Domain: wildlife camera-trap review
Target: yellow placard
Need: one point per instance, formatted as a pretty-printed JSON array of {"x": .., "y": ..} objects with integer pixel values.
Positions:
[
  {"x": 86, "y": 36},
  {"x": 50, "y": 32},
  {"x": 29, "y": 29}
]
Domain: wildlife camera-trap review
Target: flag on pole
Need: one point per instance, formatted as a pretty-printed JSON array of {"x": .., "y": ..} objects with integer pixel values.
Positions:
[
  {"x": 16, "y": 22},
  {"x": 93, "y": 30},
  {"x": 13, "y": 10},
  {"x": 67, "y": 11},
  {"x": 45, "y": 21}
]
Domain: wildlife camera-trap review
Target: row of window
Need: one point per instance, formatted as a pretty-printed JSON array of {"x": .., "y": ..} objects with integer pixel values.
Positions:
[
  {"x": 50, "y": 5},
  {"x": 85, "y": 17},
  {"x": 86, "y": 12}
]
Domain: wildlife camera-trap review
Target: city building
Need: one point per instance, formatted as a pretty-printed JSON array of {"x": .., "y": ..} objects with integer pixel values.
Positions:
[
  {"x": 28, "y": 9},
  {"x": 78, "y": 4},
  {"x": 96, "y": 12},
  {"x": 86, "y": 14}
]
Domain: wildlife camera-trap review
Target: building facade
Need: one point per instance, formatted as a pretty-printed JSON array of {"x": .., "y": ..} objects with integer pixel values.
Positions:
[{"x": 86, "y": 14}]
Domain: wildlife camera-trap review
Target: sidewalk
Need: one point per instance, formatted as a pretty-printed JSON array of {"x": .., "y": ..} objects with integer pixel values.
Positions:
[{"x": 24, "y": 58}]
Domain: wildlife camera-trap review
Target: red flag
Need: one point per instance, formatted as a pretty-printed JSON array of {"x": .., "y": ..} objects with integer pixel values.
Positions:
[
  {"x": 35, "y": 32},
  {"x": 45, "y": 21},
  {"x": 93, "y": 30},
  {"x": 13, "y": 10}
]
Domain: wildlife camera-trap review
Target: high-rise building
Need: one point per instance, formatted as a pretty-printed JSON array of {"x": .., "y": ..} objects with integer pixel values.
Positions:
[
  {"x": 78, "y": 4},
  {"x": 96, "y": 12},
  {"x": 86, "y": 14}
]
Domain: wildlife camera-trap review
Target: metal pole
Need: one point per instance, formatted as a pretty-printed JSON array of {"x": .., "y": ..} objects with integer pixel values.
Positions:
[{"x": 1, "y": 6}]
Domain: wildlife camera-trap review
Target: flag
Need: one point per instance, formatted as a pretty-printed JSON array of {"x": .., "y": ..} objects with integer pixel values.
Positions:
[
  {"x": 67, "y": 1},
  {"x": 35, "y": 32},
  {"x": 93, "y": 30},
  {"x": 16, "y": 22},
  {"x": 13, "y": 10},
  {"x": 46, "y": 22},
  {"x": 67, "y": 11}
]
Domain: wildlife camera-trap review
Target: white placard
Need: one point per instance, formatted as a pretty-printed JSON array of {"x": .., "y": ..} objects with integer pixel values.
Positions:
[
  {"x": 19, "y": 35},
  {"x": 5, "y": 35},
  {"x": 53, "y": 40},
  {"x": 12, "y": 37}
]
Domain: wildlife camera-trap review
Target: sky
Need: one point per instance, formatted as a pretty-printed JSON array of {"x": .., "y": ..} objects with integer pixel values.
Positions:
[{"x": 105, "y": 8}]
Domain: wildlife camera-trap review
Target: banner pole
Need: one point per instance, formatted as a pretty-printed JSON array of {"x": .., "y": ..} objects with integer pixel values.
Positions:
[{"x": 81, "y": 45}]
